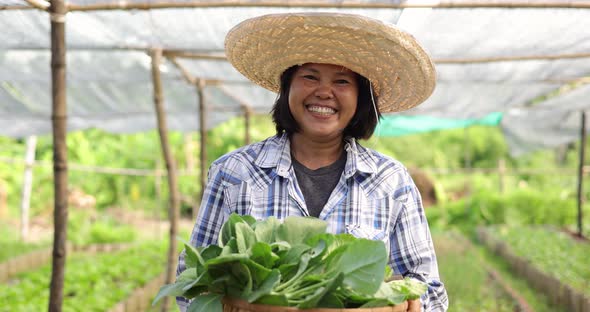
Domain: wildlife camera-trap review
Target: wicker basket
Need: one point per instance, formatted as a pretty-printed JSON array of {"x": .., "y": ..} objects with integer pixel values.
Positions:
[{"x": 238, "y": 305}]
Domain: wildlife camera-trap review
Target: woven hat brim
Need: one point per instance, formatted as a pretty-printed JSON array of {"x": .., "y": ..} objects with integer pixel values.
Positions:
[{"x": 399, "y": 69}]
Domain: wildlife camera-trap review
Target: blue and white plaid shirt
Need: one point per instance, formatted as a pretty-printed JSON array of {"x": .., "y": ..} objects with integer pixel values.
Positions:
[{"x": 375, "y": 198}]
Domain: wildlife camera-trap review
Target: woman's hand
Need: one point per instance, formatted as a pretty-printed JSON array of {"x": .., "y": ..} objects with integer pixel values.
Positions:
[{"x": 414, "y": 305}]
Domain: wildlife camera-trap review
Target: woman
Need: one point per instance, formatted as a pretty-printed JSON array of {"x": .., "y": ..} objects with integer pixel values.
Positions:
[{"x": 334, "y": 74}]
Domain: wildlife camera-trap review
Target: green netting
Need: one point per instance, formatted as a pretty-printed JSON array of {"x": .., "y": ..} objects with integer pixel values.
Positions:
[{"x": 398, "y": 125}]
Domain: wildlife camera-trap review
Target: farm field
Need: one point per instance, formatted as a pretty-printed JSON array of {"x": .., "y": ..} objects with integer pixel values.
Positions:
[
  {"x": 93, "y": 282},
  {"x": 112, "y": 114},
  {"x": 129, "y": 211},
  {"x": 475, "y": 278}
]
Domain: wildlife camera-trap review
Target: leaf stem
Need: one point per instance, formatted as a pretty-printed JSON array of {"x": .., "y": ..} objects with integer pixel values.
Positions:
[{"x": 306, "y": 290}]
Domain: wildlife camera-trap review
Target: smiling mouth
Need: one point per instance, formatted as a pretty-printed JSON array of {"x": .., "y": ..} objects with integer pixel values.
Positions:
[{"x": 321, "y": 110}]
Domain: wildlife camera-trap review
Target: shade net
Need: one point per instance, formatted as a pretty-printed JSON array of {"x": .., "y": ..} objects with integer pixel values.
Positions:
[{"x": 488, "y": 60}]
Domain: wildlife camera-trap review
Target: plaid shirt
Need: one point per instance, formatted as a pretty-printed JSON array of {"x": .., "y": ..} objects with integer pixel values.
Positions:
[{"x": 375, "y": 198}]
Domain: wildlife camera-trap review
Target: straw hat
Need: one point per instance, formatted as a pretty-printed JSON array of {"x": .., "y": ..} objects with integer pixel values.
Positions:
[{"x": 400, "y": 71}]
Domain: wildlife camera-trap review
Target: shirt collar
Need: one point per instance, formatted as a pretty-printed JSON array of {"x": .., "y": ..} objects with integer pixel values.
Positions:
[
  {"x": 276, "y": 153},
  {"x": 358, "y": 159}
]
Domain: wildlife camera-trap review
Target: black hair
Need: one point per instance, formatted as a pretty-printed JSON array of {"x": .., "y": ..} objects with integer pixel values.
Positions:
[{"x": 361, "y": 126}]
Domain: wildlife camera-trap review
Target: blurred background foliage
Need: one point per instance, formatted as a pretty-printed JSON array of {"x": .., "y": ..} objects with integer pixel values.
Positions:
[
  {"x": 525, "y": 198},
  {"x": 457, "y": 171}
]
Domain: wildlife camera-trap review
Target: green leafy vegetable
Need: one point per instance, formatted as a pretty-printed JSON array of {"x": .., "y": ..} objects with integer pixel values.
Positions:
[{"x": 293, "y": 263}]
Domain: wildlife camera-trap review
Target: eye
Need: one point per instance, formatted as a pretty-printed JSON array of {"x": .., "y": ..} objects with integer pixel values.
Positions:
[
  {"x": 342, "y": 81},
  {"x": 310, "y": 77}
]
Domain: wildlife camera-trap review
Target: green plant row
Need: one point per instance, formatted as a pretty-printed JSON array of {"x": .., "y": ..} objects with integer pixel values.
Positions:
[
  {"x": 14, "y": 249},
  {"x": 551, "y": 250},
  {"x": 11, "y": 244},
  {"x": 465, "y": 277},
  {"x": 94, "y": 147},
  {"x": 479, "y": 147},
  {"x": 518, "y": 207},
  {"x": 463, "y": 269},
  {"x": 83, "y": 230},
  {"x": 86, "y": 228},
  {"x": 538, "y": 301},
  {"x": 92, "y": 282}
]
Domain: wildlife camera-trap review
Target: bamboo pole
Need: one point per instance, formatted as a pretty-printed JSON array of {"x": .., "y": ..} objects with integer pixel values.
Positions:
[
  {"x": 247, "y": 113},
  {"x": 27, "y": 187},
  {"x": 148, "y": 5},
  {"x": 200, "y": 84},
  {"x": 512, "y": 58},
  {"x": 185, "y": 73},
  {"x": 173, "y": 210},
  {"x": 38, "y": 4},
  {"x": 123, "y": 5},
  {"x": 203, "y": 132},
  {"x": 549, "y": 57},
  {"x": 193, "y": 55},
  {"x": 57, "y": 14},
  {"x": 581, "y": 172},
  {"x": 188, "y": 77}
]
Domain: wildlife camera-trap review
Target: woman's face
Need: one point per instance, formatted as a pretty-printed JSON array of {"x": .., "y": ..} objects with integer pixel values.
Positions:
[{"x": 323, "y": 99}]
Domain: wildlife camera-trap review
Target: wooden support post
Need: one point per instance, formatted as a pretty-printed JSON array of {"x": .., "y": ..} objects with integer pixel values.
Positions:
[
  {"x": 25, "y": 202},
  {"x": 581, "y": 172},
  {"x": 174, "y": 208},
  {"x": 247, "y": 117},
  {"x": 147, "y": 5},
  {"x": 57, "y": 14},
  {"x": 189, "y": 144},
  {"x": 203, "y": 132}
]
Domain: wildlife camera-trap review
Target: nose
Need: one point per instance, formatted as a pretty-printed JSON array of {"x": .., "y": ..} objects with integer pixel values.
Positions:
[{"x": 324, "y": 91}]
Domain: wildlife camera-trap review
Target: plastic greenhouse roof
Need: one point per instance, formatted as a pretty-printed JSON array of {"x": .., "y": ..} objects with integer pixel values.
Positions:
[
  {"x": 554, "y": 122},
  {"x": 487, "y": 59}
]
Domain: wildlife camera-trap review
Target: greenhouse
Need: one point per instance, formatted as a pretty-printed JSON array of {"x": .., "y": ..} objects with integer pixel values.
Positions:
[{"x": 83, "y": 69}]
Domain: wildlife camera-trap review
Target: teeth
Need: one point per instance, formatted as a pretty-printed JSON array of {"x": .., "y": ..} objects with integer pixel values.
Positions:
[{"x": 321, "y": 110}]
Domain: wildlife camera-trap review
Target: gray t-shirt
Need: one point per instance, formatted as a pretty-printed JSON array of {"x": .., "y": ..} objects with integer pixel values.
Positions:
[{"x": 317, "y": 185}]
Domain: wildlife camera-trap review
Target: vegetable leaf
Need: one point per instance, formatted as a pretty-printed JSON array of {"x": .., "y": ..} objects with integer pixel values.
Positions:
[
  {"x": 362, "y": 274},
  {"x": 245, "y": 237},
  {"x": 185, "y": 278},
  {"x": 206, "y": 303},
  {"x": 266, "y": 230},
  {"x": 293, "y": 263},
  {"x": 297, "y": 230},
  {"x": 266, "y": 287}
]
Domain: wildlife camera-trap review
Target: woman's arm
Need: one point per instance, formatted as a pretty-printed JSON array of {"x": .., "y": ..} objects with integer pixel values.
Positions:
[
  {"x": 412, "y": 250},
  {"x": 212, "y": 214}
]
